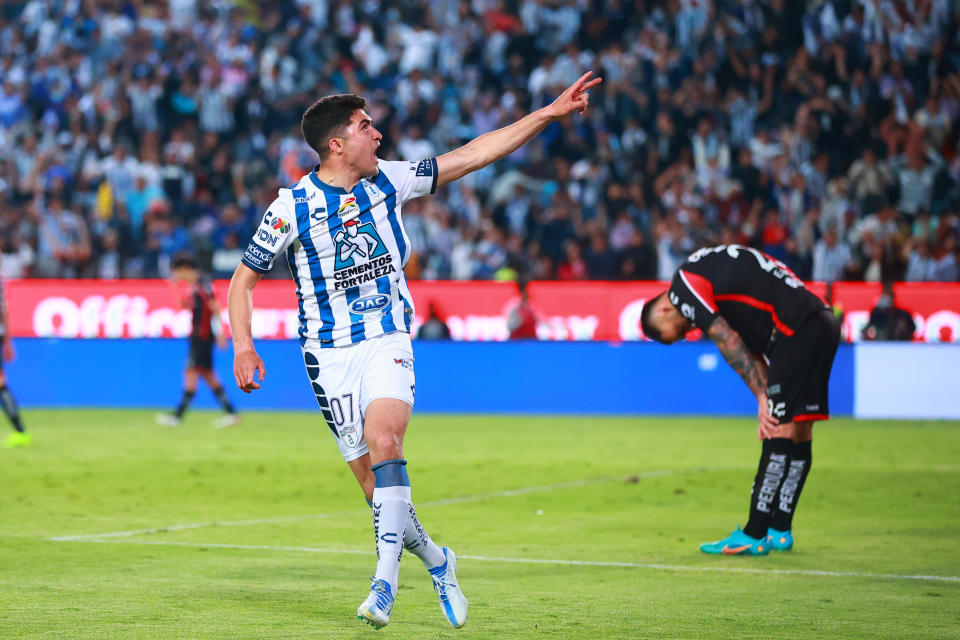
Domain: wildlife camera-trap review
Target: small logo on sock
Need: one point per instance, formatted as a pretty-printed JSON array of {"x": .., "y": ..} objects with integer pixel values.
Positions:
[{"x": 389, "y": 538}]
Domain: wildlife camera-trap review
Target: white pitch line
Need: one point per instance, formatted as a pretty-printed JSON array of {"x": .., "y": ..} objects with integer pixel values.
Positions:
[
  {"x": 569, "y": 563},
  {"x": 313, "y": 516}
]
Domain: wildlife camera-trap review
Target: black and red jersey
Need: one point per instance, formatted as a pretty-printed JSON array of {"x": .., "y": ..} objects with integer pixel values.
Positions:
[
  {"x": 757, "y": 295},
  {"x": 197, "y": 298}
]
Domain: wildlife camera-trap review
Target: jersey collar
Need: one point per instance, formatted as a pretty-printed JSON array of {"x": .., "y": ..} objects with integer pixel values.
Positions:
[{"x": 320, "y": 184}]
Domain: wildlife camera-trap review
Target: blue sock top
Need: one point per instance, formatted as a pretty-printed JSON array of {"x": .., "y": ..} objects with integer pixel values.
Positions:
[{"x": 391, "y": 473}]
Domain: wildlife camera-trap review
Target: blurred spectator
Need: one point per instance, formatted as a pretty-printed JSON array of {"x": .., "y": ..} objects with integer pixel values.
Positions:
[
  {"x": 64, "y": 243},
  {"x": 433, "y": 328},
  {"x": 573, "y": 266},
  {"x": 887, "y": 321},
  {"x": 637, "y": 261},
  {"x": 920, "y": 262},
  {"x": 831, "y": 258},
  {"x": 522, "y": 319}
]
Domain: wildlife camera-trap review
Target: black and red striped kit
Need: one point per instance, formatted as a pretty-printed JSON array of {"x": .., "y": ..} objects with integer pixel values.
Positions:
[{"x": 775, "y": 315}]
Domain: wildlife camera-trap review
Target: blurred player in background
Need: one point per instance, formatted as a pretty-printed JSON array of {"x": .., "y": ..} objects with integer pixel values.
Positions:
[
  {"x": 197, "y": 296},
  {"x": 342, "y": 235},
  {"x": 19, "y": 438},
  {"x": 757, "y": 312}
]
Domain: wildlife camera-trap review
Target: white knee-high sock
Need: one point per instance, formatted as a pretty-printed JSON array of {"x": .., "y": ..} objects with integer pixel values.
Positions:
[
  {"x": 417, "y": 542},
  {"x": 391, "y": 498}
]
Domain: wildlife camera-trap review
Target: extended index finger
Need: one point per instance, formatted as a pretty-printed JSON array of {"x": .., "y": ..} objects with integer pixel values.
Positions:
[
  {"x": 591, "y": 84},
  {"x": 578, "y": 85}
]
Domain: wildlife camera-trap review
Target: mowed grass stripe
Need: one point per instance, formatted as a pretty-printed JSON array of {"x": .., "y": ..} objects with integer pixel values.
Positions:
[{"x": 552, "y": 561}]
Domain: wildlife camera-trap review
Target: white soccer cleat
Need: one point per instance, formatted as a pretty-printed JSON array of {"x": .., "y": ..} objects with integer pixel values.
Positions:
[
  {"x": 229, "y": 420},
  {"x": 167, "y": 419},
  {"x": 376, "y": 609},
  {"x": 452, "y": 601}
]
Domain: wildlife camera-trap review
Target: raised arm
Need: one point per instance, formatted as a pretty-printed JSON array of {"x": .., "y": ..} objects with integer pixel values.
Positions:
[
  {"x": 738, "y": 356},
  {"x": 492, "y": 146},
  {"x": 240, "y": 307}
]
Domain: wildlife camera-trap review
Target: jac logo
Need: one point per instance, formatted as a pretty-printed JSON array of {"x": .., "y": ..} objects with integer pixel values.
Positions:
[
  {"x": 266, "y": 237},
  {"x": 370, "y": 305}
]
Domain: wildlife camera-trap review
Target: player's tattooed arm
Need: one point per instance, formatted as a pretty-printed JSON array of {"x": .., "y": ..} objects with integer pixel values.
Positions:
[{"x": 738, "y": 356}]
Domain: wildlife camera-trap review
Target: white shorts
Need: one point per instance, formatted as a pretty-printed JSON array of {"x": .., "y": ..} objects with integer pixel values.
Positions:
[{"x": 347, "y": 379}]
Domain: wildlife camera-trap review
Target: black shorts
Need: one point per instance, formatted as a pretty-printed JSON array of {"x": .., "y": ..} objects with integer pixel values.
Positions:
[
  {"x": 201, "y": 354},
  {"x": 799, "y": 374}
]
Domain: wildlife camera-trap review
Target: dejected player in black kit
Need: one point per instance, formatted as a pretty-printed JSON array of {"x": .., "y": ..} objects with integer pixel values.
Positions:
[
  {"x": 197, "y": 296},
  {"x": 781, "y": 339}
]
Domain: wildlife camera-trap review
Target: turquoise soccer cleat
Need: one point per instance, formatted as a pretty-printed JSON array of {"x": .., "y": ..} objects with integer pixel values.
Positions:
[
  {"x": 737, "y": 544},
  {"x": 452, "y": 601},
  {"x": 779, "y": 540},
  {"x": 376, "y": 609}
]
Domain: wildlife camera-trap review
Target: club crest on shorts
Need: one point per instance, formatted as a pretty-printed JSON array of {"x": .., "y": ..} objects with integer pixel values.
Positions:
[{"x": 349, "y": 435}]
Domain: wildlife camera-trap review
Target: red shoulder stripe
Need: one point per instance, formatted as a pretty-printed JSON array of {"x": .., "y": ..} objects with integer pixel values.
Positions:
[{"x": 701, "y": 288}]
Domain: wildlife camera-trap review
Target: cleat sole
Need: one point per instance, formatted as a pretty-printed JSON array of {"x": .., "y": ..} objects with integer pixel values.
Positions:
[{"x": 370, "y": 622}]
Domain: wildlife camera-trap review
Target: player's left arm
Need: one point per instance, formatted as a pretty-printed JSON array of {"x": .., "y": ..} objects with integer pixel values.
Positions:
[
  {"x": 738, "y": 356},
  {"x": 494, "y": 145}
]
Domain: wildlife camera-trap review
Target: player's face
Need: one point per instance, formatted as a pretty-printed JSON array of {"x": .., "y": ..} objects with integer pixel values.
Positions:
[
  {"x": 361, "y": 142},
  {"x": 672, "y": 325},
  {"x": 184, "y": 274}
]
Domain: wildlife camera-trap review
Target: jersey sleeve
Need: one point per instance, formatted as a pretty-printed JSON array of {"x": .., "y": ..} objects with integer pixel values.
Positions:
[
  {"x": 411, "y": 179},
  {"x": 272, "y": 237},
  {"x": 692, "y": 295}
]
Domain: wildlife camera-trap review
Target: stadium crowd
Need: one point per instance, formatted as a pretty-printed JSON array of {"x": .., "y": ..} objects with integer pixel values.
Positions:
[{"x": 824, "y": 132}]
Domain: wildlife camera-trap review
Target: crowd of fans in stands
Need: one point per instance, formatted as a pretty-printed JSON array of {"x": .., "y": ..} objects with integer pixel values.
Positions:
[{"x": 824, "y": 132}]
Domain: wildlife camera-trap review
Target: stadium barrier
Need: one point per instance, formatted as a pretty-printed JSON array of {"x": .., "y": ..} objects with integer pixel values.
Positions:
[
  {"x": 484, "y": 377},
  {"x": 474, "y": 311},
  {"x": 870, "y": 380}
]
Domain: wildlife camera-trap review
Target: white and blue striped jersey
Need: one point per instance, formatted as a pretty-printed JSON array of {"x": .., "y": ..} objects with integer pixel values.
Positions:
[{"x": 346, "y": 251}]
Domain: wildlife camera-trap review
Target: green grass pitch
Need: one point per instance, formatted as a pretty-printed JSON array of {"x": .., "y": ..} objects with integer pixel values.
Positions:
[{"x": 260, "y": 531}]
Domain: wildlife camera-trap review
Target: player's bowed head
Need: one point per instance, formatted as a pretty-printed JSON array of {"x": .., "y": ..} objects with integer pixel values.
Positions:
[{"x": 663, "y": 322}]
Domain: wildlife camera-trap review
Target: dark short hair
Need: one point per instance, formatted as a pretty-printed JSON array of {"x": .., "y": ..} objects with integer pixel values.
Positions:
[
  {"x": 646, "y": 319},
  {"x": 184, "y": 262},
  {"x": 327, "y": 117}
]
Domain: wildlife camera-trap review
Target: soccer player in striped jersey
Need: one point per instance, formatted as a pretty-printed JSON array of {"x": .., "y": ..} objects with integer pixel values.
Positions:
[
  {"x": 781, "y": 339},
  {"x": 198, "y": 298},
  {"x": 340, "y": 230},
  {"x": 19, "y": 437}
]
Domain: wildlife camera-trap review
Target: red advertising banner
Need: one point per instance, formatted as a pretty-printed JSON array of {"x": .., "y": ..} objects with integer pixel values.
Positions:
[{"x": 473, "y": 310}]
